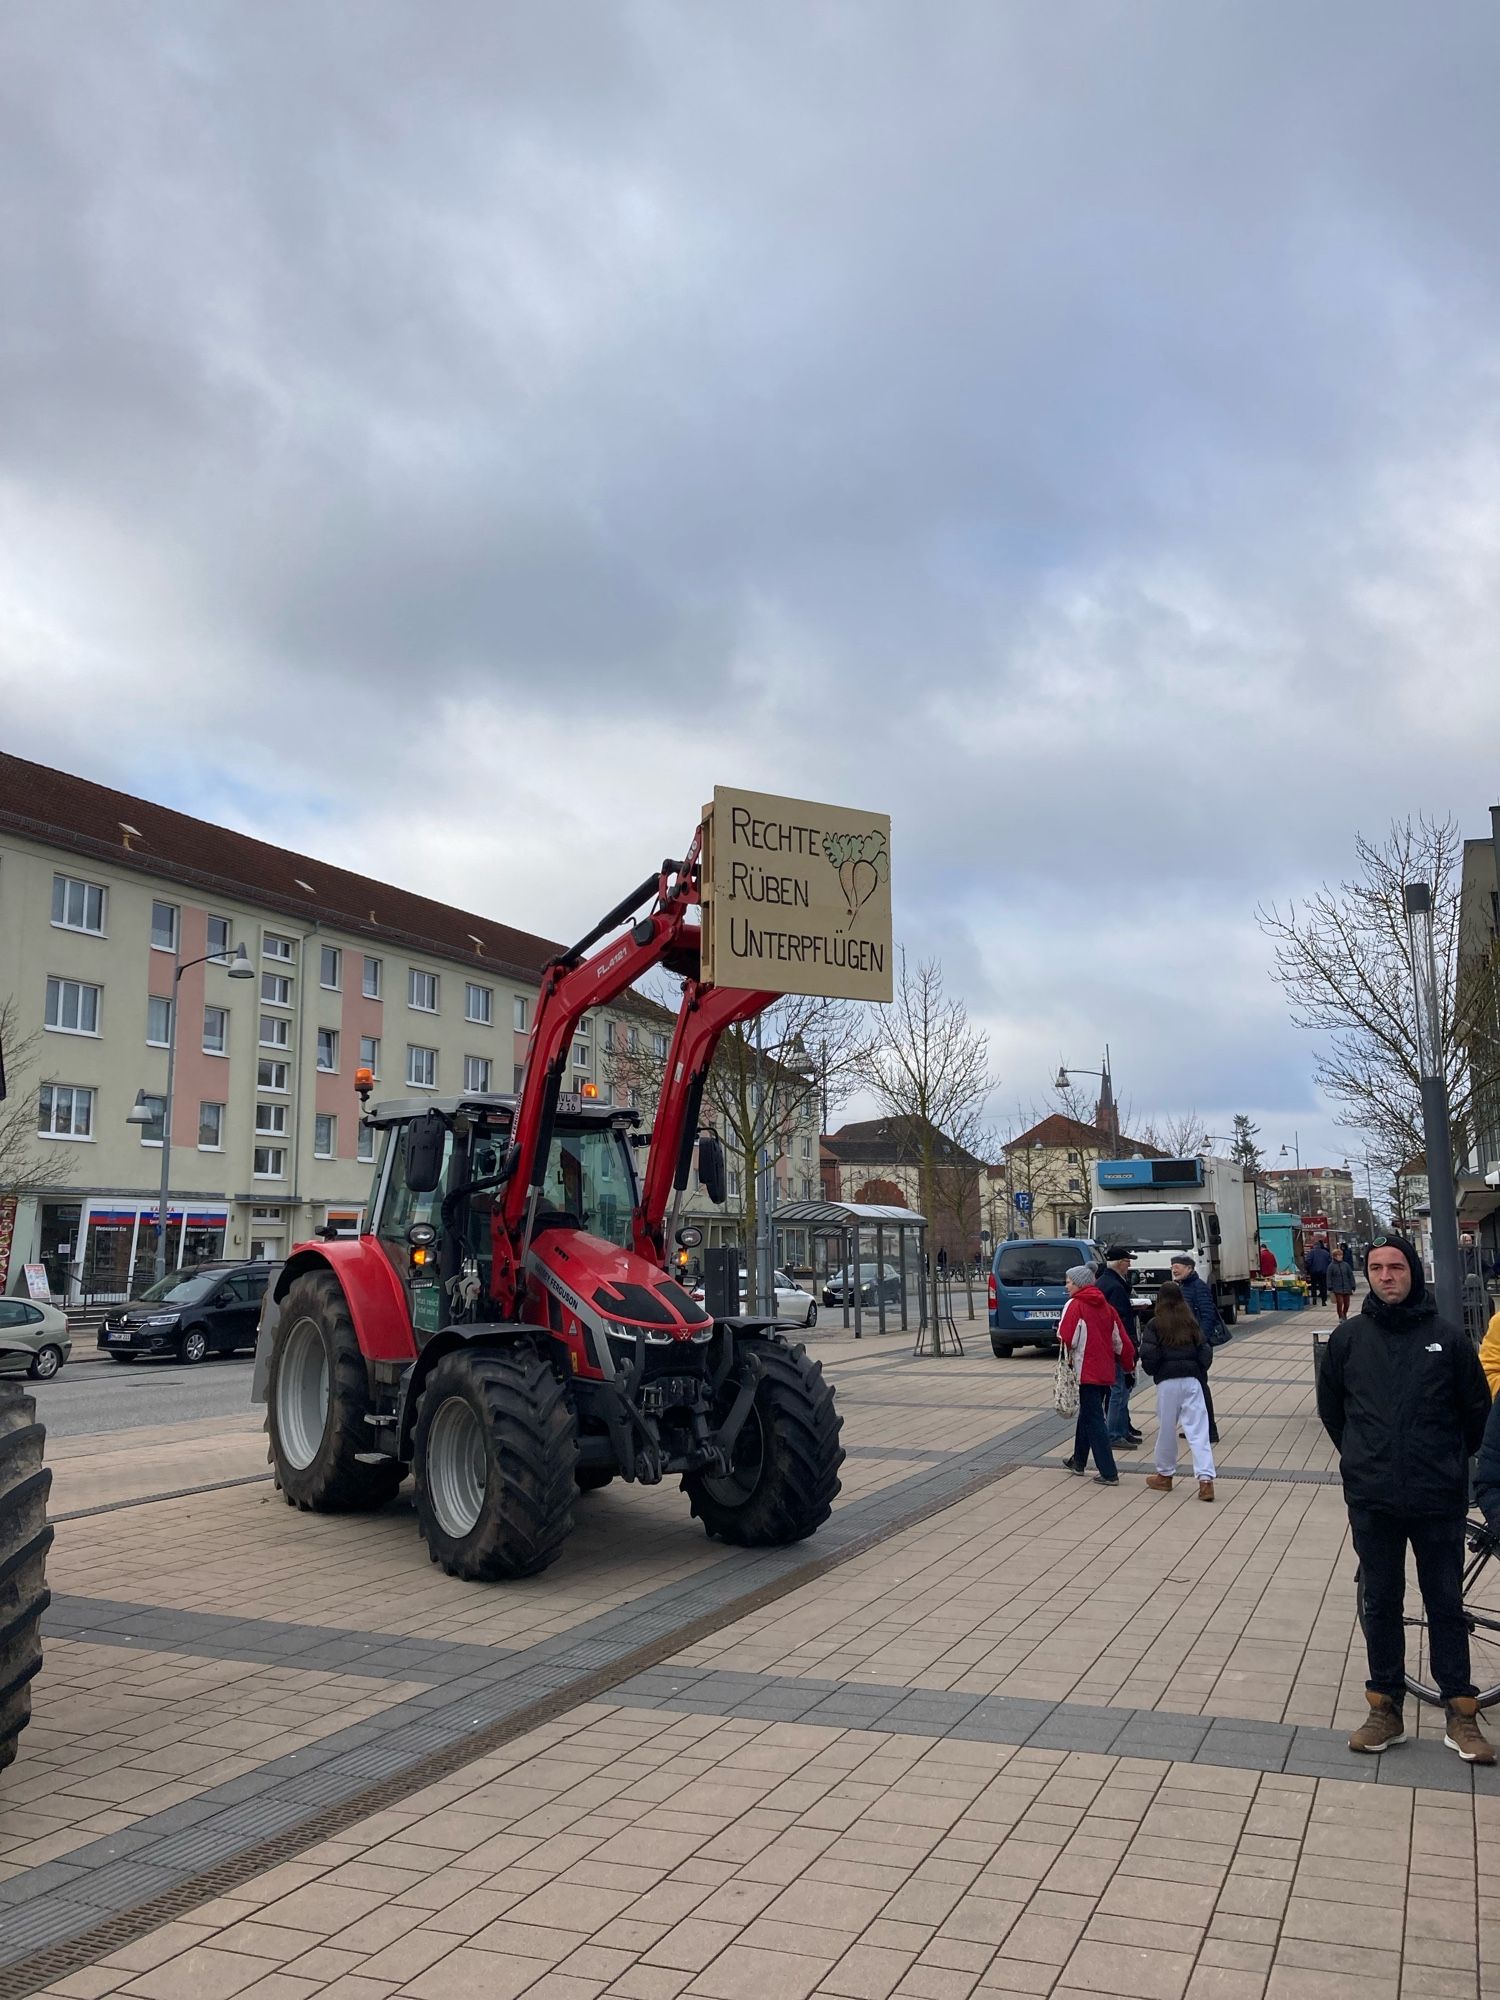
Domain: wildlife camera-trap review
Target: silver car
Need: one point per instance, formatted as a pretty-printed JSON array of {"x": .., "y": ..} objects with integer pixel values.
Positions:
[{"x": 34, "y": 1339}]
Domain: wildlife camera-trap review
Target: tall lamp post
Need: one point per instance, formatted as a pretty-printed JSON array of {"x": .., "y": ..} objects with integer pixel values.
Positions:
[
  {"x": 238, "y": 967},
  {"x": 1109, "y": 1111},
  {"x": 1436, "y": 1131}
]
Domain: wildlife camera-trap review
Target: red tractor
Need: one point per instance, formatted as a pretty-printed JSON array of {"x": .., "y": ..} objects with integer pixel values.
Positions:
[{"x": 506, "y": 1328}]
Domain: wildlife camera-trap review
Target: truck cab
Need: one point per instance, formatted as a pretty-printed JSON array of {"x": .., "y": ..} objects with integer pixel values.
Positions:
[{"x": 1155, "y": 1208}]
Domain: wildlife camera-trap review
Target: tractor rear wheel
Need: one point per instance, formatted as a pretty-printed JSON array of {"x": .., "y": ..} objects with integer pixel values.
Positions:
[
  {"x": 317, "y": 1396},
  {"x": 493, "y": 1460},
  {"x": 25, "y": 1538},
  {"x": 785, "y": 1469}
]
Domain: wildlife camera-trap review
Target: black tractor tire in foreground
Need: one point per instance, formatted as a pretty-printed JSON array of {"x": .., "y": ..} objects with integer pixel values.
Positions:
[
  {"x": 25, "y": 1538},
  {"x": 785, "y": 1473},
  {"x": 317, "y": 1396},
  {"x": 493, "y": 1460}
]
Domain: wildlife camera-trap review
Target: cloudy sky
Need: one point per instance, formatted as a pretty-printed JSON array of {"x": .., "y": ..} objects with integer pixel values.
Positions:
[{"x": 452, "y": 439}]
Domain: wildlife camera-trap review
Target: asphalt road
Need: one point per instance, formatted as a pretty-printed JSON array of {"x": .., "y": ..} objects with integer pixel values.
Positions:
[{"x": 104, "y": 1397}]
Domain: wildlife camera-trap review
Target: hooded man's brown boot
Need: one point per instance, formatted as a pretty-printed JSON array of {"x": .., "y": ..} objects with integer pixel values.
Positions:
[{"x": 1382, "y": 1729}]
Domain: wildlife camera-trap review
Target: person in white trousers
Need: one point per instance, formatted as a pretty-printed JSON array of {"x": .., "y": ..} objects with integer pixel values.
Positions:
[{"x": 1177, "y": 1357}]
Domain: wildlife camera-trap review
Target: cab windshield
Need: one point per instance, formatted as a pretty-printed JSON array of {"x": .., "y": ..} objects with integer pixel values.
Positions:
[
  {"x": 589, "y": 1179},
  {"x": 1144, "y": 1228},
  {"x": 181, "y": 1288}
]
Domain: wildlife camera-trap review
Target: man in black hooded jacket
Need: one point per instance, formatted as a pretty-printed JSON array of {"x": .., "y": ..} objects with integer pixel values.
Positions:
[{"x": 1403, "y": 1396}]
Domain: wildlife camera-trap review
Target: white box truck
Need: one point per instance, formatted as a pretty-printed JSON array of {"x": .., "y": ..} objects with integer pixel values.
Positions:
[{"x": 1154, "y": 1207}]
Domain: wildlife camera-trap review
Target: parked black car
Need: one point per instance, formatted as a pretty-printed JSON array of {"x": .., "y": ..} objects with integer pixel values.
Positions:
[{"x": 205, "y": 1309}]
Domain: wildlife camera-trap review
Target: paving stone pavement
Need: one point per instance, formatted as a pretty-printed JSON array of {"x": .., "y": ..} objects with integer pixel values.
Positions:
[{"x": 1039, "y": 1738}]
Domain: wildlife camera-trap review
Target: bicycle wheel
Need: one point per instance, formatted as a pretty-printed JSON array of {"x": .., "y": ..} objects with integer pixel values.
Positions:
[{"x": 1481, "y": 1595}]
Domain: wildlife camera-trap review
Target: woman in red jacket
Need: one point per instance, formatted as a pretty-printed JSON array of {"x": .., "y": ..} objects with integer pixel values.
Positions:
[{"x": 1090, "y": 1328}]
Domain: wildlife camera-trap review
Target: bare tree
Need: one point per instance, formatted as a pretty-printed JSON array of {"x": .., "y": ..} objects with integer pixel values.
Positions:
[
  {"x": 927, "y": 1067},
  {"x": 23, "y": 1167},
  {"x": 1178, "y": 1134},
  {"x": 1343, "y": 960},
  {"x": 798, "y": 1057}
]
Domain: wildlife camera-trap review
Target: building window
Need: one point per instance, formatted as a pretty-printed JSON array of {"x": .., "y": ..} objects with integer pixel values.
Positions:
[
  {"x": 328, "y": 1048},
  {"x": 164, "y": 927},
  {"x": 609, "y": 1037},
  {"x": 325, "y": 1132},
  {"x": 658, "y": 1044},
  {"x": 518, "y": 1012},
  {"x": 422, "y": 991},
  {"x": 72, "y": 1007},
  {"x": 158, "y": 1022},
  {"x": 153, "y": 1132},
  {"x": 479, "y": 1003},
  {"x": 369, "y": 1053},
  {"x": 219, "y": 937},
  {"x": 806, "y": 1148},
  {"x": 371, "y": 986},
  {"x": 275, "y": 1032},
  {"x": 270, "y": 1075},
  {"x": 270, "y": 1121},
  {"x": 476, "y": 1073},
  {"x": 77, "y": 906},
  {"x": 210, "y": 1128},
  {"x": 732, "y": 1181},
  {"x": 515, "y": 1079},
  {"x": 580, "y": 1055},
  {"x": 283, "y": 948},
  {"x": 331, "y": 967},
  {"x": 366, "y": 1148},
  {"x": 632, "y": 1041},
  {"x": 270, "y": 1163},
  {"x": 64, "y": 1111},
  {"x": 216, "y": 1031},
  {"x": 421, "y": 1068},
  {"x": 275, "y": 989}
]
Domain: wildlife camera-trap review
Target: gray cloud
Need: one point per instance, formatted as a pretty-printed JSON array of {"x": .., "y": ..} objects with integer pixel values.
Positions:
[{"x": 1074, "y": 426}]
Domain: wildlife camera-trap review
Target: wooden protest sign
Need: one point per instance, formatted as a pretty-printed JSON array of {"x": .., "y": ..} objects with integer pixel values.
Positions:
[{"x": 796, "y": 897}]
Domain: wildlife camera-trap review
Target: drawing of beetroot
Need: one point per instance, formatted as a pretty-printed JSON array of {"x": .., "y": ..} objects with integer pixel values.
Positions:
[{"x": 863, "y": 861}]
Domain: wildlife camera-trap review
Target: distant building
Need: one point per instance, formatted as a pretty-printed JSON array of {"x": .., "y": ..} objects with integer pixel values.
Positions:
[
  {"x": 1041, "y": 1187},
  {"x": 879, "y": 1160}
]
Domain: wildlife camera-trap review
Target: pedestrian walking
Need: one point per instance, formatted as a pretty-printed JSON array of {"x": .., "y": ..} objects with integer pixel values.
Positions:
[
  {"x": 1091, "y": 1331},
  {"x": 1204, "y": 1307},
  {"x": 1403, "y": 1397},
  {"x": 1114, "y": 1282},
  {"x": 1340, "y": 1281},
  {"x": 1318, "y": 1261},
  {"x": 1176, "y": 1356}
]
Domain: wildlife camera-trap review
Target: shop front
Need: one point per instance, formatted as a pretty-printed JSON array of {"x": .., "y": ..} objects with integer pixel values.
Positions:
[{"x": 116, "y": 1247}]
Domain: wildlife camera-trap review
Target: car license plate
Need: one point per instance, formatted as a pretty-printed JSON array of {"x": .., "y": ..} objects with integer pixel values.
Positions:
[
  {"x": 118, "y": 1333},
  {"x": 1052, "y": 1317}
]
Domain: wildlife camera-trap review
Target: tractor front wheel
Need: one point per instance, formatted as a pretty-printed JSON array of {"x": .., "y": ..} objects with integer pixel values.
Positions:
[
  {"x": 784, "y": 1472},
  {"x": 317, "y": 1396},
  {"x": 493, "y": 1462},
  {"x": 24, "y": 1540}
]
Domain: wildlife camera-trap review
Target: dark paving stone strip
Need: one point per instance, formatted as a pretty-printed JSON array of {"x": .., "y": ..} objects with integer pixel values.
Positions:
[
  {"x": 1242, "y": 1742},
  {"x": 100, "y": 1621},
  {"x": 290, "y": 1803},
  {"x": 901, "y": 1451},
  {"x": 151, "y": 1499}
]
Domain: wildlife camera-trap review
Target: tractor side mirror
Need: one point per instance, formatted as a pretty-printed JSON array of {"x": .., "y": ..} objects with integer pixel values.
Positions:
[
  {"x": 711, "y": 1168},
  {"x": 426, "y": 1141}
]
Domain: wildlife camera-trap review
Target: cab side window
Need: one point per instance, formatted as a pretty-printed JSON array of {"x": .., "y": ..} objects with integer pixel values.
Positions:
[{"x": 402, "y": 1207}]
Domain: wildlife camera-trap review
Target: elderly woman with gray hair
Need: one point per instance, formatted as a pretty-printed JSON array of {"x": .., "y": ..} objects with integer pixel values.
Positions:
[{"x": 1092, "y": 1331}]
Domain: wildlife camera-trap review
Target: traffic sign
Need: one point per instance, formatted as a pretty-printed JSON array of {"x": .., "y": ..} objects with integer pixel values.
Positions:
[{"x": 1023, "y": 1201}]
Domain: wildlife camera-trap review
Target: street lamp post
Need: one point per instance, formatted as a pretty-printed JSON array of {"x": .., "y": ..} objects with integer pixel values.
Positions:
[
  {"x": 1108, "y": 1110},
  {"x": 1436, "y": 1130},
  {"x": 239, "y": 967}
]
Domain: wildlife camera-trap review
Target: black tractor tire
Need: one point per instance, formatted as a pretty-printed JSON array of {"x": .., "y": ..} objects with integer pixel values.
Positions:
[
  {"x": 785, "y": 1473},
  {"x": 591, "y": 1478},
  {"x": 330, "y": 1479},
  {"x": 25, "y": 1538},
  {"x": 494, "y": 1460}
]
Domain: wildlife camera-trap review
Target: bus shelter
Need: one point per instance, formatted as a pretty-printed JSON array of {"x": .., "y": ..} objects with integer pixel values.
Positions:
[{"x": 862, "y": 1245}]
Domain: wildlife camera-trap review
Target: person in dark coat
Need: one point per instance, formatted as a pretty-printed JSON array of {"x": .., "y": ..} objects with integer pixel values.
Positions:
[
  {"x": 1176, "y": 1357},
  {"x": 1403, "y": 1397},
  {"x": 1201, "y": 1303},
  {"x": 1318, "y": 1261},
  {"x": 1114, "y": 1282},
  {"x": 1340, "y": 1280}
]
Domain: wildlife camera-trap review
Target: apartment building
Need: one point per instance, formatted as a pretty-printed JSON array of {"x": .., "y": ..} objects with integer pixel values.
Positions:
[
  {"x": 116, "y": 914},
  {"x": 1316, "y": 1191}
]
